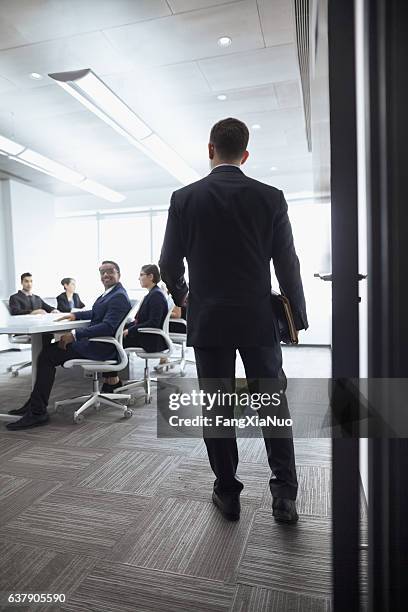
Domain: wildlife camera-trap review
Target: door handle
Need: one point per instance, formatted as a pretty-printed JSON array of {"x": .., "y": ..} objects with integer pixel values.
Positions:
[
  {"x": 323, "y": 277},
  {"x": 328, "y": 276}
]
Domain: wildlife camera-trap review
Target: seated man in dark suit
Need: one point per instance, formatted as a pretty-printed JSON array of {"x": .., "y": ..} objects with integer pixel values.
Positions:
[
  {"x": 68, "y": 299},
  {"x": 152, "y": 313},
  {"x": 25, "y": 302},
  {"x": 106, "y": 315}
]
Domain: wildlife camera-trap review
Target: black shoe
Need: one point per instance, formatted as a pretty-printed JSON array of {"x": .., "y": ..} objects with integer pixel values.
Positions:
[
  {"x": 284, "y": 510},
  {"x": 107, "y": 388},
  {"x": 21, "y": 411},
  {"x": 29, "y": 420},
  {"x": 228, "y": 504}
]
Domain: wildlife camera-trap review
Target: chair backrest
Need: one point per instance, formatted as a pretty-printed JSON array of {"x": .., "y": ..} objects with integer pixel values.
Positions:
[
  {"x": 129, "y": 317},
  {"x": 170, "y": 306},
  {"x": 51, "y": 301}
]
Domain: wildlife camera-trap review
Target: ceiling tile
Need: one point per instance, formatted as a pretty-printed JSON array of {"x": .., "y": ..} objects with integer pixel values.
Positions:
[
  {"x": 84, "y": 51},
  {"x": 9, "y": 35},
  {"x": 190, "y": 36},
  {"x": 35, "y": 21},
  {"x": 277, "y": 21},
  {"x": 288, "y": 94},
  {"x": 251, "y": 69}
]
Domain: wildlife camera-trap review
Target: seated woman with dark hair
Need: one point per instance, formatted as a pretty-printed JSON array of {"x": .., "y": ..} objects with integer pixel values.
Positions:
[
  {"x": 152, "y": 313},
  {"x": 68, "y": 299}
]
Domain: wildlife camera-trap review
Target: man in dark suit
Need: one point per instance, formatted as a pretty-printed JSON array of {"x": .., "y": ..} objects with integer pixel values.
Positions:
[
  {"x": 229, "y": 227},
  {"x": 106, "y": 315},
  {"x": 25, "y": 301},
  {"x": 152, "y": 313}
]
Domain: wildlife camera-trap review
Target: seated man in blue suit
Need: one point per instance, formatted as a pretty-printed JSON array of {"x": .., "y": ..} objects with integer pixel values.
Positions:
[{"x": 106, "y": 315}]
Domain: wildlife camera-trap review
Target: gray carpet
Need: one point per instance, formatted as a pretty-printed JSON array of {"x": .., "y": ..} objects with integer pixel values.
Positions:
[{"x": 118, "y": 520}]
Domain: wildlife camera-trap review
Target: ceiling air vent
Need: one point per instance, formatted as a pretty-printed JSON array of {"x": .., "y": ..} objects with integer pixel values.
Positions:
[{"x": 301, "y": 13}]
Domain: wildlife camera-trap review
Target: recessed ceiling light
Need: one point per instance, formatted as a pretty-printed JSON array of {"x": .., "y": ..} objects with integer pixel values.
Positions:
[
  {"x": 273, "y": 168},
  {"x": 222, "y": 97},
  {"x": 256, "y": 126},
  {"x": 224, "y": 41},
  {"x": 36, "y": 76}
]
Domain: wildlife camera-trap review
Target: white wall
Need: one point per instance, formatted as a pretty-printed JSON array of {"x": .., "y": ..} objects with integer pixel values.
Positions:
[
  {"x": 34, "y": 247},
  {"x": 6, "y": 259}
]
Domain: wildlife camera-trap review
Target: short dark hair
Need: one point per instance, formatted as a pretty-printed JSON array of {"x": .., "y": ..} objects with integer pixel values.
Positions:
[
  {"x": 25, "y": 275},
  {"x": 152, "y": 269},
  {"x": 67, "y": 280},
  {"x": 114, "y": 264},
  {"x": 230, "y": 138}
]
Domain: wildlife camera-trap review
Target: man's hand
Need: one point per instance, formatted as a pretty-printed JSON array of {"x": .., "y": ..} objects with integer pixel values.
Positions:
[
  {"x": 38, "y": 311},
  {"x": 55, "y": 310},
  {"x": 125, "y": 332},
  {"x": 64, "y": 340},
  {"x": 67, "y": 317}
]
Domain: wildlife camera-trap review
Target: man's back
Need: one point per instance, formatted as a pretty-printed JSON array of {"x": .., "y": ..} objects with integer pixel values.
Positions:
[{"x": 229, "y": 227}]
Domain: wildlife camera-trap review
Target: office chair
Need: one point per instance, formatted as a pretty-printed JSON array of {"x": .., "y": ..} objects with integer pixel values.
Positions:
[
  {"x": 146, "y": 381},
  {"x": 96, "y": 398},
  {"x": 179, "y": 339},
  {"x": 17, "y": 339}
]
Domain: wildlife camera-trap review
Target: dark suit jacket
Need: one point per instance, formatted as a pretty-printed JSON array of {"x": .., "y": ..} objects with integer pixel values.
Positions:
[
  {"x": 21, "y": 304},
  {"x": 229, "y": 227},
  {"x": 106, "y": 315},
  {"x": 62, "y": 302},
  {"x": 152, "y": 312}
]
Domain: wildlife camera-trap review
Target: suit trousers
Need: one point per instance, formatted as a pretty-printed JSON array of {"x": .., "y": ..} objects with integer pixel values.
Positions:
[
  {"x": 50, "y": 357},
  {"x": 263, "y": 370}
]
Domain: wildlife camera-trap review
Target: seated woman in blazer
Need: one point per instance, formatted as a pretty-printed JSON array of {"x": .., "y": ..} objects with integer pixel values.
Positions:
[
  {"x": 68, "y": 299},
  {"x": 152, "y": 313}
]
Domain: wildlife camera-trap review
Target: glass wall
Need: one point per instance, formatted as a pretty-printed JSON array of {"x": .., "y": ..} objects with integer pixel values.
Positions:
[{"x": 135, "y": 238}]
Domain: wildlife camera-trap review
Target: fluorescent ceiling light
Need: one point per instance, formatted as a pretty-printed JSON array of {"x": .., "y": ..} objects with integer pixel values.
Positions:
[
  {"x": 221, "y": 97},
  {"x": 53, "y": 168},
  {"x": 39, "y": 162},
  {"x": 96, "y": 96},
  {"x": 9, "y": 147},
  {"x": 36, "y": 76},
  {"x": 101, "y": 191},
  {"x": 256, "y": 126},
  {"x": 165, "y": 156}
]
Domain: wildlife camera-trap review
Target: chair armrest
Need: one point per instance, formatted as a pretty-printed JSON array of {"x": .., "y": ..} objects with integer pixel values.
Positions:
[
  {"x": 183, "y": 321},
  {"x": 107, "y": 339}
]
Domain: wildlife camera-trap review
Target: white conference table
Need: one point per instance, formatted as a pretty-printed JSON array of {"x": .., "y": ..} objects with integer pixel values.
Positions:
[{"x": 36, "y": 326}]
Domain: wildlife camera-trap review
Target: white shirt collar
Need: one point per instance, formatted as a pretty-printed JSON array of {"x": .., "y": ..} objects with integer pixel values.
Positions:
[
  {"x": 235, "y": 166},
  {"x": 107, "y": 291},
  {"x": 29, "y": 294}
]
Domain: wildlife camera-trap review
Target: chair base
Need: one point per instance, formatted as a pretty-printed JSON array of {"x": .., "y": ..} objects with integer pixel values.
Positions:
[
  {"x": 179, "y": 361},
  {"x": 96, "y": 399},
  {"x": 16, "y": 367}
]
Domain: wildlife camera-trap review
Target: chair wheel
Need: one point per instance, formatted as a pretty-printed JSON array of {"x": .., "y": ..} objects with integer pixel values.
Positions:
[
  {"x": 132, "y": 401},
  {"x": 97, "y": 406},
  {"x": 14, "y": 374},
  {"x": 59, "y": 409},
  {"x": 183, "y": 373},
  {"x": 78, "y": 418},
  {"x": 127, "y": 413},
  {"x": 148, "y": 399}
]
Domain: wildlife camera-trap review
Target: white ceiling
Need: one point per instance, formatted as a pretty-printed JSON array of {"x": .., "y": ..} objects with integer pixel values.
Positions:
[{"x": 162, "y": 58}]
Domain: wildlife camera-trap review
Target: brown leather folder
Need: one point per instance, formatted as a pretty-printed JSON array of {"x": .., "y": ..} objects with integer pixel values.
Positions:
[{"x": 284, "y": 315}]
